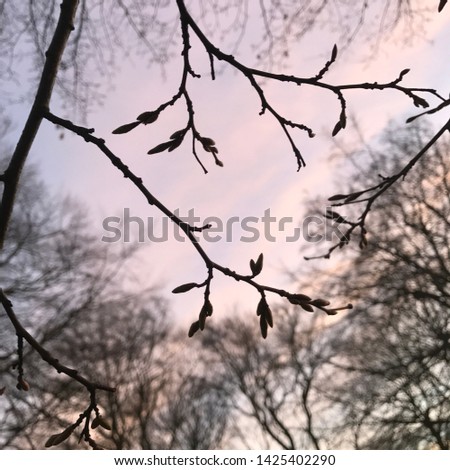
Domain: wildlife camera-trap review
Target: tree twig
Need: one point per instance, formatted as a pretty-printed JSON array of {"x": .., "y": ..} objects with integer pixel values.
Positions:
[
  {"x": 375, "y": 192},
  {"x": 263, "y": 310},
  {"x": 22, "y": 332}
]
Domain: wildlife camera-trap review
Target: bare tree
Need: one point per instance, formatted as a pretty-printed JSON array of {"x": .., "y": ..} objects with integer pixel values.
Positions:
[
  {"x": 53, "y": 33},
  {"x": 84, "y": 316},
  {"x": 159, "y": 403},
  {"x": 395, "y": 348},
  {"x": 197, "y": 415},
  {"x": 163, "y": 400},
  {"x": 56, "y": 271},
  {"x": 277, "y": 385},
  {"x": 379, "y": 377}
]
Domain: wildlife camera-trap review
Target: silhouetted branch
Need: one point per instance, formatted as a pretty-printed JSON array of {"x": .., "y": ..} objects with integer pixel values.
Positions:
[
  {"x": 187, "y": 22},
  {"x": 442, "y": 4},
  {"x": 307, "y": 303},
  {"x": 41, "y": 102},
  {"x": 46, "y": 356},
  {"x": 368, "y": 197}
]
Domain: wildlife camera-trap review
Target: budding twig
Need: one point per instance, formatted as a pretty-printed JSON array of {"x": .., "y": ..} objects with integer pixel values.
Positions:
[{"x": 368, "y": 197}]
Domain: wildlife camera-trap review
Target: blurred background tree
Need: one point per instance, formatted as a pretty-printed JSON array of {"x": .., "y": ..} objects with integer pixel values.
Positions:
[
  {"x": 397, "y": 358},
  {"x": 394, "y": 347}
]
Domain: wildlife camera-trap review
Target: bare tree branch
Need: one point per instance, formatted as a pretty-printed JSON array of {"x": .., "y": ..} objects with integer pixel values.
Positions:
[
  {"x": 263, "y": 310},
  {"x": 41, "y": 102},
  {"x": 375, "y": 192}
]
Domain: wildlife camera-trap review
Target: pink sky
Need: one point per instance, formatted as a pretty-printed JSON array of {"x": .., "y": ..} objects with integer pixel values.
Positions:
[{"x": 260, "y": 169}]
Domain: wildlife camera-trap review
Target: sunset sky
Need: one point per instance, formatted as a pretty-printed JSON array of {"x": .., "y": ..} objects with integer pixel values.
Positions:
[{"x": 260, "y": 171}]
